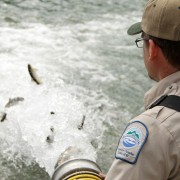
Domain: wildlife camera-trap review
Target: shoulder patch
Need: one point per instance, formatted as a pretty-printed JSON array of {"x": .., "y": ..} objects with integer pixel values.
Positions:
[{"x": 132, "y": 142}]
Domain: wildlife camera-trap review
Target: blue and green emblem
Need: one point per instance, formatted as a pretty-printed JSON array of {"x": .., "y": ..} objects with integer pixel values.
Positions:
[
  {"x": 131, "y": 142},
  {"x": 131, "y": 138}
]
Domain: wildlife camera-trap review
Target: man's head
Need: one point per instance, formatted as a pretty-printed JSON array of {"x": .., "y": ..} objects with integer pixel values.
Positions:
[
  {"x": 160, "y": 26},
  {"x": 161, "y": 19}
]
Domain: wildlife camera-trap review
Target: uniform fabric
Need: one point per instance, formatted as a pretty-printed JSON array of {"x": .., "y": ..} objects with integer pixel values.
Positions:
[{"x": 159, "y": 159}]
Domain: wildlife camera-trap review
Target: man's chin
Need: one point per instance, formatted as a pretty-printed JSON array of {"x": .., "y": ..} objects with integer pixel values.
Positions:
[{"x": 152, "y": 78}]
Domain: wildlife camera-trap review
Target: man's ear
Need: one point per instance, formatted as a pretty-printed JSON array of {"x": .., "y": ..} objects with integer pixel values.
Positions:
[{"x": 153, "y": 50}]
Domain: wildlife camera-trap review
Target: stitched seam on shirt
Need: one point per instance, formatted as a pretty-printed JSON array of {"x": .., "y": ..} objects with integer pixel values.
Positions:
[
  {"x": 157, "y": 116},
  {"x": 165, "y": 118},
  {"x": 161, "y": 123},
  {"x": 172, "y": 135}
]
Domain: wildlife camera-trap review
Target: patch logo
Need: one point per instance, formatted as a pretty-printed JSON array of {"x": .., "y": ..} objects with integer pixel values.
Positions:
[
  {"x": 131, "y": 138},
  {"x": 132, "y": 142}
]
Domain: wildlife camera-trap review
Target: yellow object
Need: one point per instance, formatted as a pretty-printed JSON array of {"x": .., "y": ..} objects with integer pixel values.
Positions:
[
  {"x": 84, "y": 177},
  {"x": 77, "y": 169}
]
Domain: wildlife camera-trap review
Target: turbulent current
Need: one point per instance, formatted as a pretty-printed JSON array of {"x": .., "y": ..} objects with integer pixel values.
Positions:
[{"x": 92, "y": 81}]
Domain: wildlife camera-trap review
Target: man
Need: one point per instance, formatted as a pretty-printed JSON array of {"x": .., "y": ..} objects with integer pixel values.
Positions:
[{"x": 149, "y": 148}]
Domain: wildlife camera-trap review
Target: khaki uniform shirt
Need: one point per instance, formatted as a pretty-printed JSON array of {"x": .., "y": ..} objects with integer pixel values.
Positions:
[{"x": 154, "y": 137}]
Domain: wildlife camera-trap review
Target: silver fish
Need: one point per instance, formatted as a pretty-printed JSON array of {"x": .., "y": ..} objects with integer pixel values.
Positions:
[
  {"x": 14, "y": 101},
  {"x": 2, "y": 116},
  {"x": 50, "y": 137},
  {"x": 80, "y": 126},
  {"x": 33, "y": 75}
]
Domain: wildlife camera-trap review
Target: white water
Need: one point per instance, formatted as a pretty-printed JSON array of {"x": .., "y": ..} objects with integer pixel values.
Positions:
[
  {"x": 24, "y": 132},
  {"x": 86, "y": 69}
]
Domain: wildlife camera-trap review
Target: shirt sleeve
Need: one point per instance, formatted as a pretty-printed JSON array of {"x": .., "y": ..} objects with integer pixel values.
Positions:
[{"x": 157, "y": 159}]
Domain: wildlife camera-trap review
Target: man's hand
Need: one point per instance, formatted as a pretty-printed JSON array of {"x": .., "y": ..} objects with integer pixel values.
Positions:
[{"x": 103, "y": 176}]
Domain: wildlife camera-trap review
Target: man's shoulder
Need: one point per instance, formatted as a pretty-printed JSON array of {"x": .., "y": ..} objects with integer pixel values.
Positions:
[
  {"x": 160, "y": 114},
  {"x": 162, "y": 121}
]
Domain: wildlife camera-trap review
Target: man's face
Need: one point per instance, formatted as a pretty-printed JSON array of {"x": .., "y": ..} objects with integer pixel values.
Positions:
[
  {"x": 148, "y": 63},
  {"x": 146, "y": 55}
]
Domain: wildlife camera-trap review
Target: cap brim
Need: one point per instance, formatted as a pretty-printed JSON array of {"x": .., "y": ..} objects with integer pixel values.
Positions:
[{"x": 135, "y": 29}]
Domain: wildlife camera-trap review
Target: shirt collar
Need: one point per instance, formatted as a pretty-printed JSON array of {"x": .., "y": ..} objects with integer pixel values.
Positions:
[{"x": 161, "y": 88}]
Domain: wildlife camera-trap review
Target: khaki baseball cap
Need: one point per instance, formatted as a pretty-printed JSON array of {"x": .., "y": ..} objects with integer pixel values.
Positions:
[{"x": 161, "y": 19}]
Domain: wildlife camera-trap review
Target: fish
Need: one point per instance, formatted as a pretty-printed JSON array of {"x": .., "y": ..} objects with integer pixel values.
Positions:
[
  {"x": 50, "y": 137},
  {"x": 2, "y": 116},
  {"x": 10, "y": 20},
  {"x": 33, "y": 74},
  {"x": 52, "y": 129},
  {"x": 14, "y": 101},
  {"x": 82, "y": 122}
]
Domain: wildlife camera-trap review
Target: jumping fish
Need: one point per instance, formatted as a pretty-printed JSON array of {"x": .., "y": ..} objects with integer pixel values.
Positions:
[
  {"x": 14, "y": 101},
  {"x": 10, "y": 20},
  {"x": 33, "y": 75},
  {"x": 50, "y": 138},
  {"x": 82, "y": 122},
  {"x": 2, "y": 116}
]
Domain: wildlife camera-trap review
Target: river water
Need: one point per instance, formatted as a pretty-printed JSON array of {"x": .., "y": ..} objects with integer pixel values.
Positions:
[{"x": 90, "y": 71}]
